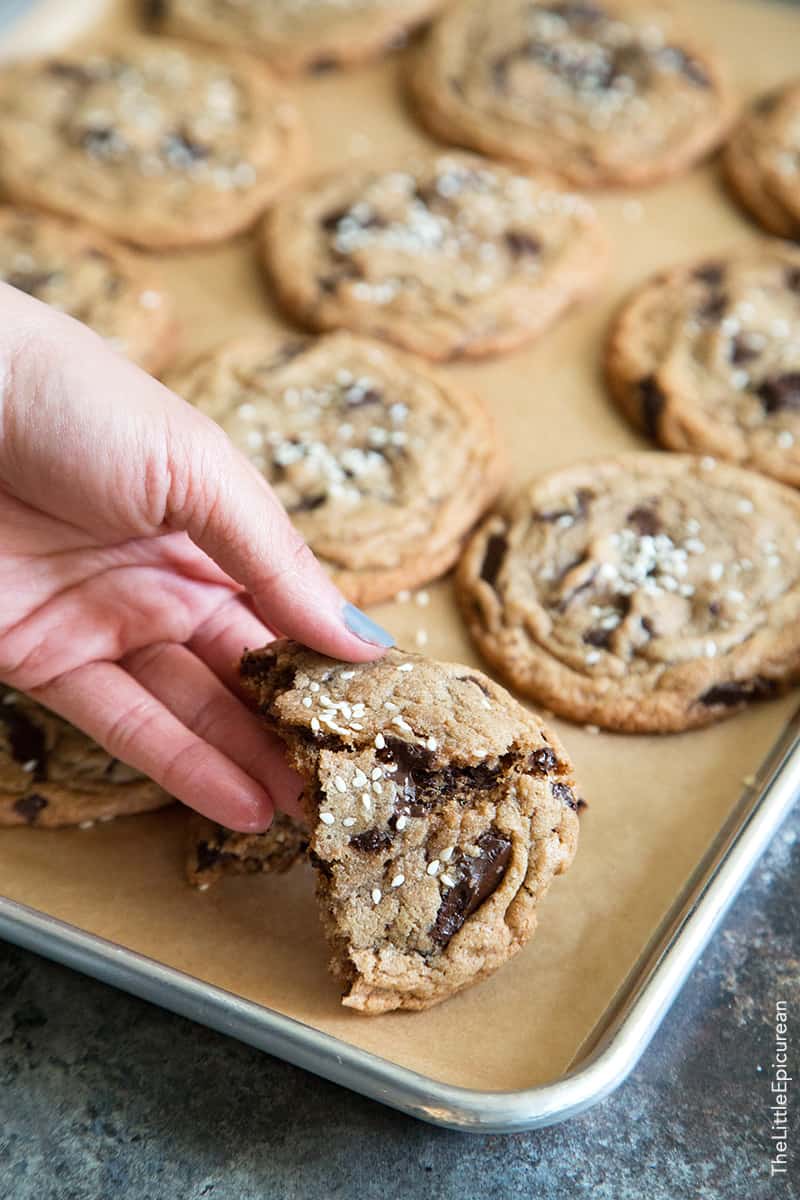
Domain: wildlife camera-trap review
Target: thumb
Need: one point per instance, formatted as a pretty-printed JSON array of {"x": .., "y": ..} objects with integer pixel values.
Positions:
[{"x": 90, "y": 437}]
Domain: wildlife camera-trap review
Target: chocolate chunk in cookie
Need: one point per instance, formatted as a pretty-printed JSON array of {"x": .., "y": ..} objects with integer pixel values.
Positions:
[
  {"x": 161, "y": 143},
  {"x": 382, "y": 464},
  {"x": 51, "y": 774},
  {"x": 450, "y": 256},
  {"x": 673, "y": 600},
  {"x": 213, "y": 851},
  {"x": 707, "y": 359},
  {"x": 439, "y": 811},
  {"x": 597, "y": 93},
  {"x": 74, "y": 269},
  {"x": 309, "y": 35}
]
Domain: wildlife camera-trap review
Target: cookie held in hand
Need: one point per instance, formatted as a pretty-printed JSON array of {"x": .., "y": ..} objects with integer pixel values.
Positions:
[
  {"x": 649, "y": 593},
  {"x": 440, "y": 810}
]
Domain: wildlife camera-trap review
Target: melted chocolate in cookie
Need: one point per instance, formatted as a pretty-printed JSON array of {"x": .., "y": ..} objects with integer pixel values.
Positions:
[
  {"x": 419, "y": 788},
  {"x": 711, "y": 273},
  {"x": 564, "y": 793},
  {"x": 480, "y": 877},
  {"x": 739, "y": 692},
  {"x": 371, "y": 841},
  {"x": 209, "y": 856},
  {"x": 543, "y": 762},
  {"x": 181, "y": 150},
  {"x": 583, "y": 498},
  {"x": 713, "y": 308},
  {"x": 652, "y": 401},
  {"x": 589, "y": 60},
  {"x": 645, "y": 520},
  {"x": 522, "y": 244},
  {"x": 26, "y": 740},
  {"x": 744, "y": 348},
  {"x": 29, "y": 807},
  {"x": 493, "y": 559},
  {"x": 780, "y": 392}
]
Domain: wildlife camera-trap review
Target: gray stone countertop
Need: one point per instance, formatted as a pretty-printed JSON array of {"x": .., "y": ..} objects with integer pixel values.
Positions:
[{"x": 104, "y": 1097}]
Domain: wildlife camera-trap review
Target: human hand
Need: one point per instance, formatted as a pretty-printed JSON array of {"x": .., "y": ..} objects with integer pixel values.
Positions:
[{"x": 140, "y": 552}]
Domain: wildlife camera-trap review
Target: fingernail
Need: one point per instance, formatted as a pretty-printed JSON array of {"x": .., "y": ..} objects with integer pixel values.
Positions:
[{"x": 365, "y": 628}]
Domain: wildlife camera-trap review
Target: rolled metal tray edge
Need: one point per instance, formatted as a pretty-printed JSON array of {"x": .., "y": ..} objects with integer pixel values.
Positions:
[{"x": 637, "y": 1011}]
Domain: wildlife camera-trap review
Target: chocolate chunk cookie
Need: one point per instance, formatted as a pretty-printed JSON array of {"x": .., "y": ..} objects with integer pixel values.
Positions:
[
  {"x": 450, "y": 256},
  {"x": 762, "y": 160},
  {"x": 213, "y": 851},
  {"x": 51, "y": 774},
  {"x": 439, "y": 811},
  {"x": 162, "y": 143},
  {"x": 650, "y": 593},
  {"x": 297, "y": 35},
  {"x": 706, "y": 357},
  {"x": 597, "y": 92},
  {"x": 75, "y": 270},
  {"x": 382, "y": 464}
]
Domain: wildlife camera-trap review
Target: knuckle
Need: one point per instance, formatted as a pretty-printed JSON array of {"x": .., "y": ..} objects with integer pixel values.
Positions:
[
  {"x": 297, "y": 559},
  {"x": 209, "y": 720},
  {"x": 179, "y": 768},
  {"x": 141, "y": 660},
  {"x": 129, "y": 730},
  {"x": 197, "y": 471}
]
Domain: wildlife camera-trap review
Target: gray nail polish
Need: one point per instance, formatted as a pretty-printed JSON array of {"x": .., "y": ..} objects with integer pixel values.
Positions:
[{"x": 364, "y": 627}]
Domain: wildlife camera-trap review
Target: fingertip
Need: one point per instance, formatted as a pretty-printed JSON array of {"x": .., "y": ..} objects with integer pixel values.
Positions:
[
  {"x": 287, "y": 798},
  {"x": 366, "y": 630},
  {"x": 341, "y": 631},
  {"x": 244, "y": 813},
  {"x": 258, "y": 822}
]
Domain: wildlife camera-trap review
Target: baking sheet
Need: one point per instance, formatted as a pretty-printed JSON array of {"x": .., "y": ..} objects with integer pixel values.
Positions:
[{"x": 655, "y": 804}]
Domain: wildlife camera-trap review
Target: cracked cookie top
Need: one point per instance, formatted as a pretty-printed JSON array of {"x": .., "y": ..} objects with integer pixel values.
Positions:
[
  {"x": 706, "y": 357},
  {"x": 160, "y": 142},
  {"x": 650, "y": 592},
  {"x": 599, "y": 93},
  {"x": 382, "y": 464},
  {"x": 762, "y": 159},
  {"x": 447, "y": 255}
]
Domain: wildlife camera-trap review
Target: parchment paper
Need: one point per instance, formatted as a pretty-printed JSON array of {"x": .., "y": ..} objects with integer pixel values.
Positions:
[{"x": 655, "y": 803}]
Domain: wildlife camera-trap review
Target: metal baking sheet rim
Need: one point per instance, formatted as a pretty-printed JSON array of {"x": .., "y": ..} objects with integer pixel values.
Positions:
[{"x": 638, "y": 1010}]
